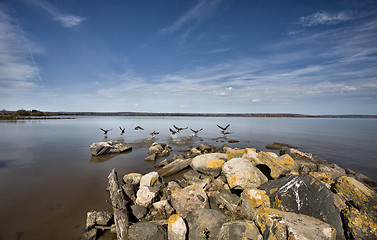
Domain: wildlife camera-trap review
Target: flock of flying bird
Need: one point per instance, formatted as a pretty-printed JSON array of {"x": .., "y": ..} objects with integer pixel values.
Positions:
[{"x": 173, "y": 131}]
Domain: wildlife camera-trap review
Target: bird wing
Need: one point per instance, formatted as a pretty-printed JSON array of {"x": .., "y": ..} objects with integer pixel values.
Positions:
[
  {"x": 200, "y": 129},
  {"x": 193, "y": 130},
  {"x": 221, "y": 127},
  {"x": 227, "y": 126},
  {"x": 102, "y": 129},
  {"x": 176, "y": 127}
]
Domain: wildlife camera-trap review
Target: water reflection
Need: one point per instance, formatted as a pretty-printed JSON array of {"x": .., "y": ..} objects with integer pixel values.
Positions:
[{"x": 106, "y": 157}]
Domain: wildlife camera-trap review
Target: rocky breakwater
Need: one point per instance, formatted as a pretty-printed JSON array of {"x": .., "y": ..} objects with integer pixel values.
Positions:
[{"x": 240, "y": 194}]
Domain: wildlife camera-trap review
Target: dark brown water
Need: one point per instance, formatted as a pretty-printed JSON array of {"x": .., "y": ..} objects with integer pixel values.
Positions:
[{"x": 48, "y": 180}]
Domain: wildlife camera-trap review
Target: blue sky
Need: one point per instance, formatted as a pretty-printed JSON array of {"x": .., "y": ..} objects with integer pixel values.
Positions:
[{"x": 216, "y": 56}]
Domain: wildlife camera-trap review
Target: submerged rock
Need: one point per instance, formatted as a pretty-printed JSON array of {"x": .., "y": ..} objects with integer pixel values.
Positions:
[{"x": 102, "y": 148}]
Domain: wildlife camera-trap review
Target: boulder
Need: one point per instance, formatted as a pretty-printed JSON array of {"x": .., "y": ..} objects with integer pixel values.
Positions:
[
  {"x": 362, "y": 178},
  {"x": 145, "y": 196},
  {"x": 302, "y": 157},
  {"x": 192, "y": 152},
  {"x": 163, "y": 207},
  {"x": 251, "y": 200},
  {"x": 177, "y": 229},
  {"x": 132, "y": 178},
  {"x": 205, "y": 223},
  {"x": 235, "y": 153},
  {"x": 130, "y": 191},
  {"x": 147, "y": 231},
  {"x": 275, "y": 224},
  {"x": 334, "y": 170},
  {"x": 277, "y": 166},
  {"x": 139, "y": 211},
  {"x": 228, "y": 200},
  {"x": 102, "y": 148},
  {"x": 305, "y": 195},
  {"x": 359, "y": 225},
  {"x": 159, "y": 149},
  {"x": 209, "y": 164},
  {"x": 188, "y": 199},
  {"x": 191, "y": 174},
  {"x": 241, "y": 174},
  {"x": 358, "y": 195},
  {"x": 151, "y": 179},
  {"x": 91, "y": 234},
  {"x": 95, "y": 218},
  {"x": 174, "y": 167},
  {"x": 239, "y": 230},
  {"x": 151, "y": 157}
]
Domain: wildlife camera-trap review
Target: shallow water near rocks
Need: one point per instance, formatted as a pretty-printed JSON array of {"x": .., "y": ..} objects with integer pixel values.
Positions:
[{"x": 49, "y": 180}]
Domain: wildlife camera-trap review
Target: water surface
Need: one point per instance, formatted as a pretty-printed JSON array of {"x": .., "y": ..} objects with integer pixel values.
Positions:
[{"x": 48, "y": 179}]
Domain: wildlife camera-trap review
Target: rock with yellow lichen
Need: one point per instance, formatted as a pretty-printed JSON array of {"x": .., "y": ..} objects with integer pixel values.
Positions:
[
  {"x": 209, "y": 164},
  {"x": 304, "y": 194},
  {"x": 251, "y": 200},
  {"x": 275, "y": 224},
  {"x": 358, "y": 195},
  {"x": 229, "y": 196},
  {"x": 241, "y": 174},
  {"x": 239, "y": 230},
  {"x": 177, "y": 228},
  {"x": 359, "y": 225},
  {"x": 278, "y": 166}
]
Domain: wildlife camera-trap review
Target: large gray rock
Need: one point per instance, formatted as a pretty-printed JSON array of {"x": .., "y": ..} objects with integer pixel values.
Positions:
[
  {"x": 147, "y": 231},
  {"x": 305, "y": 195},
  {"x": 102, "y": 148},
  {"x": 174, "y": 167},
  {"x": 241, "y": 174},
  {"x": 205, "y": 223},
  {"x": 276, "y": 224},
  {"x": 209, "y": 164},
  {"x": 139, "y": 211},
  {"x": 188, "y": 199},
  {"x": 239, "y": 230}
]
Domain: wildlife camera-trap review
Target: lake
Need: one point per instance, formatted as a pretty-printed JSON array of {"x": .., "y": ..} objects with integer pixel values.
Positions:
[{"x": 48, "y": 179}]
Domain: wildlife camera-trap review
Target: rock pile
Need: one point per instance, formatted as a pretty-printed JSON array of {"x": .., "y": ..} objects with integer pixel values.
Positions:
[{"x": 244, "y": 194}]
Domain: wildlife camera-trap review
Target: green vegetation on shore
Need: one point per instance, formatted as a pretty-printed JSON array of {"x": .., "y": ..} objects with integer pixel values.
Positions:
[{"x": 22, "y": 114}]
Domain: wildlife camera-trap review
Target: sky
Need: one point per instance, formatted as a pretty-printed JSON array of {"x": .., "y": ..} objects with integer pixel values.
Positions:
[{"x": 193, "y": 56}]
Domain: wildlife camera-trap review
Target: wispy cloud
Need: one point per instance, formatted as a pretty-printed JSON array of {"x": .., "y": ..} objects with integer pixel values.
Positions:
[
  {"x": 192, "y": 18},
  {"x": 66, "y": 20},
  {"x": 18, "y": 71},
  {"x": 325, "y": 18}
]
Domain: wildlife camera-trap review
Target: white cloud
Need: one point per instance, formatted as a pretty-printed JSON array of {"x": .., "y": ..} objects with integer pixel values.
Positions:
[
  {"x": 325, "y": 18},
  {"x": 66, "y": 20},
  {"x": 18, "y": 71},
  {"x": 192, "y": 18}
]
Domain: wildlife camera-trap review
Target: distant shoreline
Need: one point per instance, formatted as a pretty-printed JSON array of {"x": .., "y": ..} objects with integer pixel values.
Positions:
[{"x": 285, "y": 115}]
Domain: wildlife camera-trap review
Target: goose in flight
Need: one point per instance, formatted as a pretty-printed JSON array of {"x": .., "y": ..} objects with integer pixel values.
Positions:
[
  {"x": 139, "y": 128},
  {"x": 172, "y": 131},
  {"x": 122, "y": 130},
  {"x": 224, "y": 128},
  {"x": 105, "y": 131},
  {"x": 154, "y": 133},
  {"x": 179, "y": 128},
  {"x": 196, "y": 131}
]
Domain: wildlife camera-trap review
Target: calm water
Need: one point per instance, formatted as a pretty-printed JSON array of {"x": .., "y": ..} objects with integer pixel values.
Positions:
[{"x": 48, "y": 179}]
